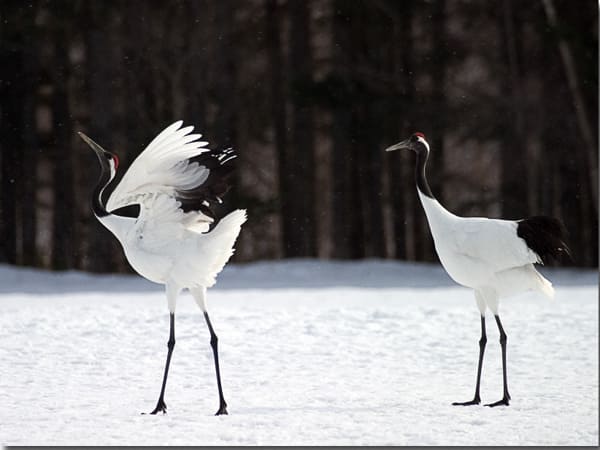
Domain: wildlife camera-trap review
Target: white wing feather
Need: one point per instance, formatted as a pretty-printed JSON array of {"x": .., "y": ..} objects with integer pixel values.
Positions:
[
  {"x": 493, "y": 241},
  {"x": 162, "y": 222},
  {"x": 165, "y": 243},
  {"x": 162, "y": 168},
  {"x": 186, "y": 257},
  {"x": 159, "y": 223},
  {"x": 480, "y": 252}
]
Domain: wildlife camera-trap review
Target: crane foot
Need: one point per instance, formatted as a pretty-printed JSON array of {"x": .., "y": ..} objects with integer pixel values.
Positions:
[
  {"x": 503, "y": 401},
  {"x": 475, "y": 401},
  {"x": 222, "y": 410},
  {"x": 160, "y": 407}
]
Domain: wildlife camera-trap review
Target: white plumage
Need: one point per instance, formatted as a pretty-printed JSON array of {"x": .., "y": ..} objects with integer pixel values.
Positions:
[
  {"x": 163, "y": 167},
  {"x": 173, "y": 183},
  {"x": 484, "y": 254},
  {"x": 168, "y": 246},
  {"x": 494, "y": 257}
]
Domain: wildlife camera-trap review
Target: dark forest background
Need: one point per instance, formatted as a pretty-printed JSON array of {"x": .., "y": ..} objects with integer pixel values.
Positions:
[{"x": 309, "y": 93}]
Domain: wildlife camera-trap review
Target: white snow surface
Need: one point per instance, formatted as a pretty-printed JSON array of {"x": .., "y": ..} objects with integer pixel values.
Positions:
[{"x": 311, "y": 352}]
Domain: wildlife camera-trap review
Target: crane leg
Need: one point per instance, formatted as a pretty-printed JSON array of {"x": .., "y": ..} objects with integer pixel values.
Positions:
[
  {"x": 214, "y": 344},
  {"x": 160, "y": 405},
  {"x": 506, "y": 396},
  {"x": 482, "y": 342}
]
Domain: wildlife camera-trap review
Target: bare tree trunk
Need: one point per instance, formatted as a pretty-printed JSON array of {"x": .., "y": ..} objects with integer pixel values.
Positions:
[
  {"x": 196, "y": 79},
  {"x": 564, "y": 185},
  {"x": 585, "y": 127},
  {"x": 417, "y": 236},
  {"x": 371, "y": 182},
  {"x": 302, "y": 158},
  {"x": 369, "y": 110},
  {"x": 346, "y": 201},
  {"x": 64, "y": 203},
  {"x": 225, "y": 70},
  {"x": 11, "y": 144},
  {"x": 278, "y": 115},
  {"x": 438, "y": 108},
  {"x": 514, "y": 145},
  {"x": 30, "y": 154},
  {"x": 345, "y": 205},
  {"x": 104, "y": 249},
  {"x": 405, "y": 209}
]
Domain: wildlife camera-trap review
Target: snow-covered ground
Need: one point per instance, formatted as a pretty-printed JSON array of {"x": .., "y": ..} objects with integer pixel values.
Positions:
[{"x": 331, "y": 353}]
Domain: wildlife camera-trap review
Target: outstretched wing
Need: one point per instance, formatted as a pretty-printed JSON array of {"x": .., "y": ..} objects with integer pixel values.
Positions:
[
  {"x": 163, "y": 167},
  {"x": 219, "y": 166},
  {"x": 176, "y": 164}
]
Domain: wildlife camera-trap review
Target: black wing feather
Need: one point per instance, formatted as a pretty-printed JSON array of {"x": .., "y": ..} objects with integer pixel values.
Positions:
[{"x": 220, "y": 164}]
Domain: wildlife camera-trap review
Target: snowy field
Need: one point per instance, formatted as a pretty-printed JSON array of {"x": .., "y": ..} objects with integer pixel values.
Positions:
[{"x": 362, "y": 353}]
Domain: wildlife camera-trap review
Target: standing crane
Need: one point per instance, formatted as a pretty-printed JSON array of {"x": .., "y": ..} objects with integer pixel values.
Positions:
[
  {"x": 162, "y": 214},
  {"x": 493, "y": 257}
]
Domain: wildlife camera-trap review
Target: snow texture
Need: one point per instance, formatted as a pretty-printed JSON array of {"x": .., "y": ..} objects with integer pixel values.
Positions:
[{"x": 312, "y": 353}]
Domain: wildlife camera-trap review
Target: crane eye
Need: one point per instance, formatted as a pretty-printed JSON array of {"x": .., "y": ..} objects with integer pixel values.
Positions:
[{"x": 111, "y": 156}]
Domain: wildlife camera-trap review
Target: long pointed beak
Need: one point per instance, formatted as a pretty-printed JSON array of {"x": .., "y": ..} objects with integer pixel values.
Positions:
[
  {"x": 400, "y": 145},
  {"x": 96, "y": 147}
]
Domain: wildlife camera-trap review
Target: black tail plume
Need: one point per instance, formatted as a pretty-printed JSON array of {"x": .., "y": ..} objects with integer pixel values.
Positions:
[{"x": 545, "y": 236}]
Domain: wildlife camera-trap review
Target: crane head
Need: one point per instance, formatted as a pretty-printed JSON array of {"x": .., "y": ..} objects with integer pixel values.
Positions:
[
  {"x": 416, "y": 142},
  {"x": 105, "y": 157}
]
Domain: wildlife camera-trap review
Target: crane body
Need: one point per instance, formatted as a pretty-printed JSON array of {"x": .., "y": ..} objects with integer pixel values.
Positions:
[
  {"x": 494, "y": 257},
  {"x": 162, "y": 214}
]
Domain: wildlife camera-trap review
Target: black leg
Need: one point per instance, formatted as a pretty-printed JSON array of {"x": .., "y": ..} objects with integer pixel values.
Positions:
[
  {"x": 161, "y": 406},
  {"x": 213, "y": 343},
  {"x": 482, "y": 341},
  {"x": 506, "y": 396}
]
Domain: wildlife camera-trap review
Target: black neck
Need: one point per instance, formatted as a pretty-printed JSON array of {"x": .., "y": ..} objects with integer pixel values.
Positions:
[
  {"x": 422, "y": 185},
  {"x": 97, "y": 205}
]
